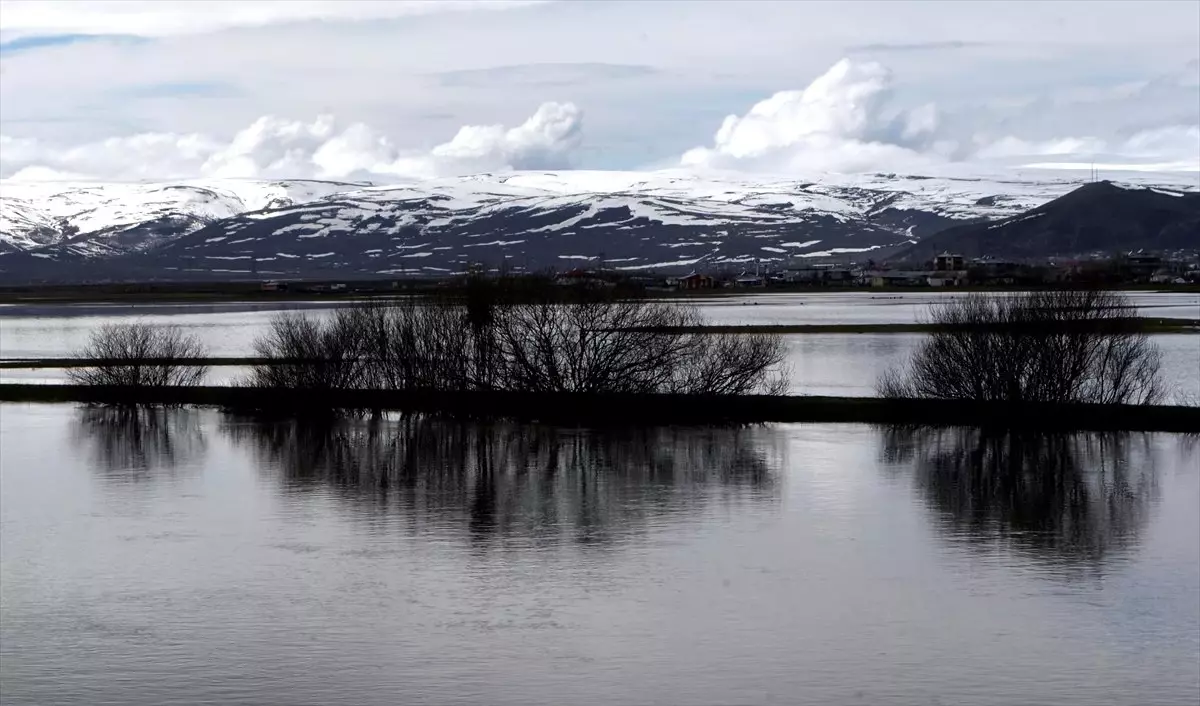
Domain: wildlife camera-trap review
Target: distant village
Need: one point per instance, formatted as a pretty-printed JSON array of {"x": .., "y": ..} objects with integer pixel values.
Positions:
[
  {"x": 953, "y": 270},
  {"x": 948, "y": 270}
]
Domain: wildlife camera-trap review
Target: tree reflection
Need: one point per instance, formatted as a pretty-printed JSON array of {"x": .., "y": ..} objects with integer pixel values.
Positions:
[
  {"x": 1073, "y": 500},
  {"x": 509, "y": 480},
  {"x": 135, "y": 443}
]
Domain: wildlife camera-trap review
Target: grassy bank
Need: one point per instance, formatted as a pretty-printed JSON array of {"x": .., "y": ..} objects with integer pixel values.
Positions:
[{"x": 637, "y": 410}]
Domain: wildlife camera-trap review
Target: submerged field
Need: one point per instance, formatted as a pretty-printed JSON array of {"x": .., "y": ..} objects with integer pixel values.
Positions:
[
  {"x": 838, "y": 344},
  {"x": 211, "y": 557},
  {"x": 243, "y": 545}
]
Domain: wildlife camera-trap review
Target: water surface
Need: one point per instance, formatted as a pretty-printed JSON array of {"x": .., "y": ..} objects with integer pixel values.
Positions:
[
  {"x": 820, "y": 364},
  {"x": 186, "y": 556}
]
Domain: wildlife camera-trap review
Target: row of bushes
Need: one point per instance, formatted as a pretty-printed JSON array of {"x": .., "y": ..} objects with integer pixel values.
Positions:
[
  {"x": 585, "y": 345},
  {"x": 1061, "y": 346},
  {"x": 584, "y": 341},
  {"x": 1051, "y": 346}
]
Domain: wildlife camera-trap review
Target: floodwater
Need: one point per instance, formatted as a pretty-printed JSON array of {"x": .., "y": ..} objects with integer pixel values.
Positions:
[
  {"x": 820, "y": 364},
  {"x": 186, "y": 557}
]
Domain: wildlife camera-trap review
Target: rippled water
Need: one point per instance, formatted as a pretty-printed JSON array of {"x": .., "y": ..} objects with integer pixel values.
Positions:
[
  {"x": 187, "y": 556},
  {"x": 821, "y": 364}
]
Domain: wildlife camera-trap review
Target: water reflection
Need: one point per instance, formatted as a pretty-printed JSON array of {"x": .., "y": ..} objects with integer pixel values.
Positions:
[
  {"x": 1075, "y": 501},
  {"x": 139, "y": 443},
  {"x": 508, "y": 480}
]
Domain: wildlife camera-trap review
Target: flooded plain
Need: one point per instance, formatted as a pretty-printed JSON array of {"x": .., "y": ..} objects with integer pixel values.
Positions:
[
  {"x": 820, "y": 364},
  {"x": 189, "y": 556}
]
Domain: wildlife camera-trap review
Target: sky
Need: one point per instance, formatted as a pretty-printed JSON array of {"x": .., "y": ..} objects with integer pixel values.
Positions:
[{"x": 359, "y": 89}]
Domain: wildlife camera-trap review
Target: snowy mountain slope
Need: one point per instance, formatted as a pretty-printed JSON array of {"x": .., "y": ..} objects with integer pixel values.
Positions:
[
  {"x": 1095, "y": 218},
  {"x": 35, "y": 214},
  {"x": 668, "y": 220},
  {"x": 397, "y": 231}
]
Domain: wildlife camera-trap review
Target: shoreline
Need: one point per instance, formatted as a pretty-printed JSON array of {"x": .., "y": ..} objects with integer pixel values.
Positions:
[
  {"x": 585, "y": 409},
  {"x": 250, "y": 293},
  {"x": 1147, "y": 325}
]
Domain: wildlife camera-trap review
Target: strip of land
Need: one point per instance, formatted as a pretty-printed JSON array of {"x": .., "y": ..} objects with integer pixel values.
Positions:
[
  {"x": 1142, "y": 325},
  {"x": 209, "y": 362},
  {"x": 253, "y": 292},
  {"x": 1137, "y": 324},
  {"x": 580, "y": 409}
]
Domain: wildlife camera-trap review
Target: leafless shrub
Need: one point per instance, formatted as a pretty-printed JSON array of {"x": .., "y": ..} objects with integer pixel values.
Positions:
[
  {"x": 424, "y": 346},
  {"x": 581, "y": 341},
  {"x": 588, "y": 345},
  {"x": 315, "y": 354},
  {"x": 732, "y": 364},
  {"x": 595, "y": 343},
  {"x": 1054, "y": 346},
  {"x": 140, "y": 355}
]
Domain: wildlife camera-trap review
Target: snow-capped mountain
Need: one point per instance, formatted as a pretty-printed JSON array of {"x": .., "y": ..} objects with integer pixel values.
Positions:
[
  {"x": 1096, "y": 217},
  {"x": 518, "y": 221},
  {"x": 125, "y": 217}
]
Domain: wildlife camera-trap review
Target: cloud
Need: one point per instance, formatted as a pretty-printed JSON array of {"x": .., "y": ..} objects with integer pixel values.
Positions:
[
  {"x": 544, "y": 141},
  {"x": 1009, "y": 147},
  {"x": 34, "y": 41},
  {"x": 959, "y": 76},
  {"x": 652, "y": 86},
  {"x": 915, "y": 46},
  {"x": 1167, "y": 148},
  {"x": 273, "y": 147},
  {"x": 841, "y": 122},
  {"x": 159, "y": 18},
  {"x": 543, "y": 75},
  {"x": 846, "y": 121}
]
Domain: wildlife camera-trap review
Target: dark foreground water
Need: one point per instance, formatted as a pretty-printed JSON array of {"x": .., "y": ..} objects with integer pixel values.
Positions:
[{"x": 189, "y": 557}]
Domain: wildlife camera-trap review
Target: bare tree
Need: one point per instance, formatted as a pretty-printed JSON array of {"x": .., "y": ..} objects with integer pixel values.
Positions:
[
  {"x": 424, "y": 346},
  {"x": 529, "y": 340},
  {"x": 316, "y": 354},
  {"x": 598, "y": 343},
  {"x": 140, "y": 355},
  {"x": 1054, "y": 346},
  {"x": 588, "y": 345},
  {"x": 732, "y": 364}
]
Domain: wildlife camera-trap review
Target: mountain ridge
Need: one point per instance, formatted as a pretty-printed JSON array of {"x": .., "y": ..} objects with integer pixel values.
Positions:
[
  {"x": 518, "y": 221},
  {"x": 1098, "y": 217}
]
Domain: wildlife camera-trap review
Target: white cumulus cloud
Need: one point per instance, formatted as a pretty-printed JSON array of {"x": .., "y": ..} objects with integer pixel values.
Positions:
[
  {"x": 274, "y": 147},
  {"x": 846, "y": 121},
  {"x": 842, "y": 121},
  {"x": 544, "y": 141}
]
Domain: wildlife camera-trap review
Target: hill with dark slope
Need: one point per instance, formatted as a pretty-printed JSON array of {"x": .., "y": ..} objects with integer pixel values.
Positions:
[
  {"x": 1100, "y": 217},
  {"x": 523, "y": 221}
]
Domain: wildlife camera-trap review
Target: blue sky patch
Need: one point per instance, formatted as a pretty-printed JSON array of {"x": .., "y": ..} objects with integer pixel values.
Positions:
[{"x": 45, "y": 41}]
